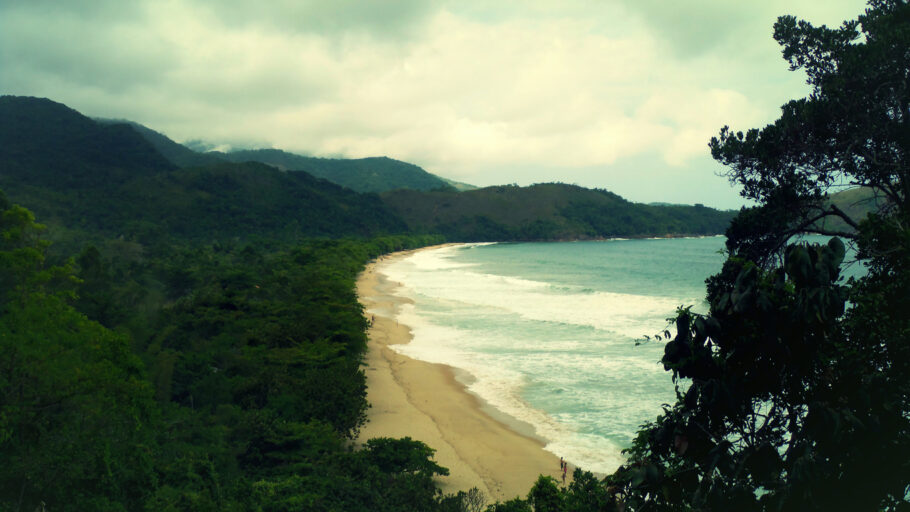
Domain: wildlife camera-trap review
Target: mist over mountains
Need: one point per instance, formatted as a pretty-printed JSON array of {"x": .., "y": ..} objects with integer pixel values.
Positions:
[{"x": 124, "y": 179}]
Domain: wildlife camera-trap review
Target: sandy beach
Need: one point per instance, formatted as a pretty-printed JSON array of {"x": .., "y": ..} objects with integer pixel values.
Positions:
[{"x": 424, "y": 401}]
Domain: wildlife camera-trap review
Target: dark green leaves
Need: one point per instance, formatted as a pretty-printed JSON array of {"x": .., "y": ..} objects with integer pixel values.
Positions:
[{"x": 797, "y": 402}]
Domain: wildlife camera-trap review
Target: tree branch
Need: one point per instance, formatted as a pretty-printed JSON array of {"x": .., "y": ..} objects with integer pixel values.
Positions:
[
  {"x": 827, "y": 232},
  {"x": 840, "y": 213},
  {"x": 804, "y": 227}
]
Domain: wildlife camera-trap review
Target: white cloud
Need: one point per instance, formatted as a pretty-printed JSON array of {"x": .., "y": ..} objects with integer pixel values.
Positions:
[{"x": 468, "y": 90}]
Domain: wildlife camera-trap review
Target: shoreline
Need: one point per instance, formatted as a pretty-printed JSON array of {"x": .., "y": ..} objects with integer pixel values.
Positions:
[{"x": 429, "y": 402}]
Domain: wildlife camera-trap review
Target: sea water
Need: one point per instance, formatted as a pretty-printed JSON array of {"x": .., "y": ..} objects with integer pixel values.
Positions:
[{"x": 551, "y": 334}]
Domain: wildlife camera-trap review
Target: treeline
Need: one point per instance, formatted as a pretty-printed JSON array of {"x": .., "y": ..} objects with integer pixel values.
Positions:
[{"x": 546, "y": 211}]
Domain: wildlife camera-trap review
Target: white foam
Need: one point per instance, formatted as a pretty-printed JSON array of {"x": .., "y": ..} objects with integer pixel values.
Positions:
[
  {"x": 588, "y": 451},
  {"x": 493, "y": 382},
  {"x": 503, "y": 362},
  {"x": 499, "y": 384},
  {"x": 627, "y": 314}
]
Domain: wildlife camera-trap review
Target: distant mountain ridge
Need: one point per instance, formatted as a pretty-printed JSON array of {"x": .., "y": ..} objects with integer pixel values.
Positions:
[
  {"x": 547, "y": 211},
  {"x": 857, "y": 203},
  {"x": 177, "y": 153},
  {"x": 125, "y": 180},
  {"x": 373, "y": 174},
  {"x": 106, "y": 178}
]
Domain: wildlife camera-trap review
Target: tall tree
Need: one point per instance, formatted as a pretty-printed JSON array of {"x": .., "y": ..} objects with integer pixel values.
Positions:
[{"x": 793, "y": 393}]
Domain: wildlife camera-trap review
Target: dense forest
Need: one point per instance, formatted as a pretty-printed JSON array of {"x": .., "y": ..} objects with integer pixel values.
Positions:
[
  {"x": 376, "y": 174},
  {"x": 547, "y": 211},
  {"x": 200, "y": 377},
  {"x": 182, "y": 333}
]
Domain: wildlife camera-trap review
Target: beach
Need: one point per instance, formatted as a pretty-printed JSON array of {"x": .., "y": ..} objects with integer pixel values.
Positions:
[{"x": 424, "y": 401}]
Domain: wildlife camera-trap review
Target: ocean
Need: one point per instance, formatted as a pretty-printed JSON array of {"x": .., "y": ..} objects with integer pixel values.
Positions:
[{"x": 546, "y": 333}]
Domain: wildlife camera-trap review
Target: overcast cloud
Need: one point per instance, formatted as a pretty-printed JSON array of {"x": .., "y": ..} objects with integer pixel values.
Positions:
[{"x": 616, "y": 94}]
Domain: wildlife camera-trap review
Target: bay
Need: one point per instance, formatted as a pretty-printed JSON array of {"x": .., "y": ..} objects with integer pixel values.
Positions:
[{"x": 546, "y": 333}]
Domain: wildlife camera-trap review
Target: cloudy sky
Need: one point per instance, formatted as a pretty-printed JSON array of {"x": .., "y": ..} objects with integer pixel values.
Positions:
[{"x": 615, "y": 94}]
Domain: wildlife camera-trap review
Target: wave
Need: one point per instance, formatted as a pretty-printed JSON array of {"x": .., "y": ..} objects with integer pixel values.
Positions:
[
  {"x": 501, "y": 387},
  {"x": 556, "y": 356},
  {"x": 433, "y": 275}
]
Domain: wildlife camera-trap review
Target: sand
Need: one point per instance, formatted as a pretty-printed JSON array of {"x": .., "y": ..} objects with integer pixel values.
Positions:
[{"x": 424, "y": 401}]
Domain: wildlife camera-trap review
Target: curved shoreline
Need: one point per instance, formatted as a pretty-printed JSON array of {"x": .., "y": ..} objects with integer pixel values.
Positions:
[{"x": 425, "y": 401}]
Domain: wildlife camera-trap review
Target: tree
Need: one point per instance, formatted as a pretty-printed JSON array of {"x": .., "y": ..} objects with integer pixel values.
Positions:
[
  {"x": 75, "y": 408},
  {"x": 793, "y": 393},
  {"x": 545, "y": 495}
]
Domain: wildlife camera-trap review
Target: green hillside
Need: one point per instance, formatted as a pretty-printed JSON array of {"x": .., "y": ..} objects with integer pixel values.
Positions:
[
  {"x": 107, "y": 179},
  {"x": 176, "y": 153},
  {"x": 377, "y": 174},
  {"x": 550, "y": 211},
  {"x": 251, "y": 198},
  {"x": 196, "y": 343},
  {"x": 362, "y": 175},
  {"x": 47, "y": 144}
]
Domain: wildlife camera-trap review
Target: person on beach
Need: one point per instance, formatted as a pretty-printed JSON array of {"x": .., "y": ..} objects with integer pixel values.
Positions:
[
  {"x": 562, "y": 464},
  {"x": 565, "y": 468}
]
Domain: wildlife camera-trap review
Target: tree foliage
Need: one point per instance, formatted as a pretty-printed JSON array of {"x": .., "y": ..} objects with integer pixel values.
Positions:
[
  {"x": 75, "y": 406},
  {"x": 793, "y": 393},
  {"x": 546, "y": 211},
  {"x": 205, "y": 377}
]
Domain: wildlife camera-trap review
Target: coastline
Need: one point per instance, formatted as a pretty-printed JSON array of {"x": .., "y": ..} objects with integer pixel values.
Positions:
[{"x": 427, "y": 402}]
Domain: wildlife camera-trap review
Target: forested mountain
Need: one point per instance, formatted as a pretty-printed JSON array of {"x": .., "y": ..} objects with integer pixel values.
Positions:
[
  {"x": 192, "y": 345},
  {"x": 376, "y": 174},
  {"x": 49, "y": 145},
  {"x": 177, "y": 153},
  {"x": 105, "y": 178},
  {"x": 550, "y": 211}
]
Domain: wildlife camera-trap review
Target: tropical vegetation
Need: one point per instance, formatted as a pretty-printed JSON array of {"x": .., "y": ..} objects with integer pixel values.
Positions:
[{"x": 183, "y": 333}]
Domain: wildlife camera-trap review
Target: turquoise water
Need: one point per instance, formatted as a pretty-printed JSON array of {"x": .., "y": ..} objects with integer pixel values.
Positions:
[{"x": 546, "y": 332}]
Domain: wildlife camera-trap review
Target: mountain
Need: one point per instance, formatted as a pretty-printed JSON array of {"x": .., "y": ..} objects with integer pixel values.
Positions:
[
  {"x": 250, "y": 198},
  {"x": 122, "y": 179},
  {"x": 176, "y": 153},
  {"x": 376, "y": 174},
  {"x": 106, "y": 178},
  {"x": 549, "y": 211},
  {"x": 47, "y": 144}
]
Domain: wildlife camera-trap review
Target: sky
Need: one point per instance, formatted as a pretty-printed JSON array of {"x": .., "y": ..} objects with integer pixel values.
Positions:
[{"x": 622, "y": 95}]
